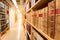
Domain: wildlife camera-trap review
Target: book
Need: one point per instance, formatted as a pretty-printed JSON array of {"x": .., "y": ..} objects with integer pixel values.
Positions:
[
  {"x": 57, "y": 30},
  {"x": 34, "y": 19},
  {"x": 45, "y": 19},
  {"x": 51, "y": 19},
  {"x": 41, "y": 12}
]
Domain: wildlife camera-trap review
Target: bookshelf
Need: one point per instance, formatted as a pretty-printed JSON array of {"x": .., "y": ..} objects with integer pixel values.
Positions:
[
  {"x": 3, "y": 18},
  {"x": 48, "y": 11},
  {"x": 40, "y": 31}
]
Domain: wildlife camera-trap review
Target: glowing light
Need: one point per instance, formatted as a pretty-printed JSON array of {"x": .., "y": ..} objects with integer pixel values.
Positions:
[{"x": 15, "y": 3}]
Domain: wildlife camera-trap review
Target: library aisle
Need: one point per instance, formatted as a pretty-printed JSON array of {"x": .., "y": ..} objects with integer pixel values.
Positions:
[
  {"x": 14, "y": 33},
  {"x": 30, "y": 19}
]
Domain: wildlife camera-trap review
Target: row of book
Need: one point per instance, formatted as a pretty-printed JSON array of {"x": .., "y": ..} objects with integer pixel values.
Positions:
[
  {"x": 47, "y": 19},
  {"x": 3, "y": 17}
]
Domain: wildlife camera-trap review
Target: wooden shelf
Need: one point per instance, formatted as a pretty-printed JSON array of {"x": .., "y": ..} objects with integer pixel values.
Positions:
[
  {"x": 29, "y": 35},
  {"x": 39, "y": 5},
  {"x": 1, "y": 7},
  {"x": 4, "y": 31},
  {"x": 5, "y": 2},
  {"x": 3, "y": 19},
  {"x": 28, "y": 10},
  {"x": 40, "y": 31},
  {"x": 4, "y": 24},
  {"x": 2, "y": 13}
]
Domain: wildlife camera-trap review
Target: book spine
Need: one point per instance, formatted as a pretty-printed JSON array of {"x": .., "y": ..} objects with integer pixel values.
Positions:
[
  {"x": 57, "y": 32},
  {"x": 51, "y": 19}
]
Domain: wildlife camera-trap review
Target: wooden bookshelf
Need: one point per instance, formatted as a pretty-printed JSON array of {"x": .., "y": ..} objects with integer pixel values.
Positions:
[
  {"x": 40, "y": 31},
  {"x": 3, "y": 19},
  {"x": 4, "y": 31},
  {"x": 39, "y": 5}
]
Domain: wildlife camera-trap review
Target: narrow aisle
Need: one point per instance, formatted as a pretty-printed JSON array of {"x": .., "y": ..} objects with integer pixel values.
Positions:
[{"x": 16, "y": 32}]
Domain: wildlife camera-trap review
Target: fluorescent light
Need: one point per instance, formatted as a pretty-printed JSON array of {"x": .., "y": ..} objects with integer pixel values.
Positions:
[{"x": 15, "y": 3}]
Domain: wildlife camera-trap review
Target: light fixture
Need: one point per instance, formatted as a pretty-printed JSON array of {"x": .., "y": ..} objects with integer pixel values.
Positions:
[{"x": 15, "y": 3}]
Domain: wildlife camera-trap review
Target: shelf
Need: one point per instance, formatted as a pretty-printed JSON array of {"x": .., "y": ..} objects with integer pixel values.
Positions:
[
  {"x": 5, "y": 2},
  {"x": 4, "y": 31},
  {"x": 39, "y": 5},
  {"x": 2, "y": 13},
  {"x": 28, "y": 10},
  {"x": 1, "y": 7},
  {"x": 29, "y": 35},
  {"x": 40, "y": 31},
  {"x": 4, "y": 24},
  {"x": 3, "y": 19}
]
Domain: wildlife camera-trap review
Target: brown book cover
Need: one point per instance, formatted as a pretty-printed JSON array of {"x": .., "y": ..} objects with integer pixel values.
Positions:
[
  {"x": 40, "y": 24},
  {"x": 34, "y": 19},
  {"x": 57, "y": 32},
  {"x": 45, "y": 19},
  {"x": 51, "y": 19}
]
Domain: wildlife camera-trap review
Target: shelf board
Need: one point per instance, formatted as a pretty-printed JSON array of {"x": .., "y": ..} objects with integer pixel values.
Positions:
[
  {"x": 4, "y": 31},
  {"x": 39, "y": 5},
  {"x": 4, "y": 24},
  {"x": 3, "y": 19},
  {"x": 29, "y": 10},
  {"x": 1, "y": 7},
  {"x": 2, "y": 13},
  {"x": 40, "y": 31},
  {"x": 29, "y": 35},
  {"x": 5, "y": 2}
]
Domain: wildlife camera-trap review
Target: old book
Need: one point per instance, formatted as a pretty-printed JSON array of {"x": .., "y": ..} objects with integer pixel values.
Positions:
[
  {"x": 40, "y": 24},
  {"x": 57, "y": 32},
  {"x": 34, "y": 19},
  {"x": 51, "y": 19},
  {"x": 45, "y": 19}
]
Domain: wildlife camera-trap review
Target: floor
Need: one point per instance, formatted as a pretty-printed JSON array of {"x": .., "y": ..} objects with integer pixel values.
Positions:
[{"x": 15, "y": 33}]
